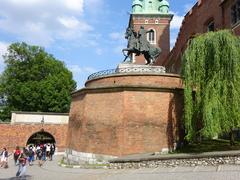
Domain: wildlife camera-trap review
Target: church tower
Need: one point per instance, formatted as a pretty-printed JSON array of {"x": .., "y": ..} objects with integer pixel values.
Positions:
[{"x": 154, "y": 16}]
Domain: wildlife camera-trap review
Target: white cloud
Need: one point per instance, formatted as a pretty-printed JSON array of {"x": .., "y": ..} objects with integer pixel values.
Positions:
[
  {"x": 24, "y": 2},
  {"x": 76, "y": 5},
  {"x": 177, "y": 21},
  {"x": 174, "y": 27},
  {"x": 69, "y": 22},
  {"x": 99, "y": 51},
  {"x": 43, "y": 22},
  {"x": 3, "y": 50},
  {"x": 76, "y": 69},
  {"x": 94, "y": 6}
]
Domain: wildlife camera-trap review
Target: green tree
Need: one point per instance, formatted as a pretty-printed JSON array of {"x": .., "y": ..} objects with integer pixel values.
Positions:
[
  {"x": 34, "y": 80},
  {"x": 211, "y": 72}
]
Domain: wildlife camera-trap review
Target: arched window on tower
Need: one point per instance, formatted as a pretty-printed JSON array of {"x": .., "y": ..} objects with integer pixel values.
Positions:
[{"x": 151, "y": 36}]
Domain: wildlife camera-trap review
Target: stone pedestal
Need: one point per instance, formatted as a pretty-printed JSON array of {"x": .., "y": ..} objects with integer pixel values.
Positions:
[{"x": 132, "y": 68}]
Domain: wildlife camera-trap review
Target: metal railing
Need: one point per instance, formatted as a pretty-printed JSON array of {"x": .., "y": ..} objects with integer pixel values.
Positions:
[{"x": 128, "y": 70}]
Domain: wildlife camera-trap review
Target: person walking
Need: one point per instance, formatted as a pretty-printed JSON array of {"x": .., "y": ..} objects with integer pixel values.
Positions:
[
  {"x": 30, "y": 156},
  {"x": 44, "y": 152},
  {"x": 48, "y": 149},
  {"x": 22, "y": 166},
  {"x": 40, "y": 156},
  {"x": 4, "y": 158},
  {"x": 16, "y": 154},
  {"x": 52, "y": 150}
]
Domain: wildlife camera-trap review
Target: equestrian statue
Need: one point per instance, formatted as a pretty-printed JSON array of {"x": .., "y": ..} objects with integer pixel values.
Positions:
[{"x": 138, "y": 44}]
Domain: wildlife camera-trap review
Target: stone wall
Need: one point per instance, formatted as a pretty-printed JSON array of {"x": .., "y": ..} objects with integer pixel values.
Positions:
[{"x": 194, "y": 162}]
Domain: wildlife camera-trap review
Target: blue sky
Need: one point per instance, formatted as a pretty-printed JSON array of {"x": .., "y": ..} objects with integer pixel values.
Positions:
[{"x": 87, "y": 35}]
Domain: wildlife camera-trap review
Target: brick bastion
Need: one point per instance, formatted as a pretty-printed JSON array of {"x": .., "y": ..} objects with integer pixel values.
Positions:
[{"x": 125, "y": 113}]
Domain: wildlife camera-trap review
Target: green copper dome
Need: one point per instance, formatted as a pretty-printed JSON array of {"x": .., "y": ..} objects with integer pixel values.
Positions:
[
  {"x": 150, "y": 7},
  {"x": 164, "y": 3},
  {"x": 137, "y": 6},
  {"x": 163, "y": 7}
]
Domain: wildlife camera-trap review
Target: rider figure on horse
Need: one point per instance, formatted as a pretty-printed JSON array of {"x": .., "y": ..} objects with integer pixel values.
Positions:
[
  {"x": 138, "y": 44},
  {"x": 144, "y": 45},
  {"x": 132, "y": 37}
]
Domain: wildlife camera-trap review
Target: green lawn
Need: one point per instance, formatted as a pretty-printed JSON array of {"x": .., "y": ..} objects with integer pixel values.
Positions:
[{"x": 209, "y": 146}]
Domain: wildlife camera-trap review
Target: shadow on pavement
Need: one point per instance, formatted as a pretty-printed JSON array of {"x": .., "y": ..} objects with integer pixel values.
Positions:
[{"x": 19, "y": 178}]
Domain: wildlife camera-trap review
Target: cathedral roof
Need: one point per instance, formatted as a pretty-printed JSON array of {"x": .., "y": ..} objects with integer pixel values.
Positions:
[
  {"x": 150, "y": 6},
  {"x": 164, "y": 3}
]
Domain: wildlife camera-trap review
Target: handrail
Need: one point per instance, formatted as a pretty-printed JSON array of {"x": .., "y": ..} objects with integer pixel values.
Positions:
[{"x": 128, "y": 70}]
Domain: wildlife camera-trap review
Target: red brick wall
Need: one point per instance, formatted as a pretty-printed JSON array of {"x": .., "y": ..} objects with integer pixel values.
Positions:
[
  {"x": 18, "y": 134},
  {"x": 195, "y": 22},
  {"x": 114, "y": 119}
]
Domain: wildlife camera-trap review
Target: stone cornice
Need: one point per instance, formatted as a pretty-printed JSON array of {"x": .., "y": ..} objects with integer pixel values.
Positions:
[
  {"x": 153, "y": 15},
  {"x": 41, "y": 113},
  {"x": 120, "y": 88}
]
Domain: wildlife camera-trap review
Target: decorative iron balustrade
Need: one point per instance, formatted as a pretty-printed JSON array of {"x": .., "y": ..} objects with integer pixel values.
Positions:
[{"x": 128, "y": 70}]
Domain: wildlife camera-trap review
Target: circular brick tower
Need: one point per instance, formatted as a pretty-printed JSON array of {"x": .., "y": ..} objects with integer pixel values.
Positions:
[{"x": 125, "y": 111}]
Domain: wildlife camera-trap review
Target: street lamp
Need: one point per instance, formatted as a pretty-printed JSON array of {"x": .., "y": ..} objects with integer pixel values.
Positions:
[{"x": 42, "y": 122}]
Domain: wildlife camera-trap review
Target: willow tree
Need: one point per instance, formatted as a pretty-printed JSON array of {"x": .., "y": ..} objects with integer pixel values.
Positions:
[{"x": 211, "y": 72}]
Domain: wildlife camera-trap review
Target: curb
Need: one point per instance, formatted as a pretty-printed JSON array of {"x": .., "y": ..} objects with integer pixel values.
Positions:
[{"x": 154, "y": 157}]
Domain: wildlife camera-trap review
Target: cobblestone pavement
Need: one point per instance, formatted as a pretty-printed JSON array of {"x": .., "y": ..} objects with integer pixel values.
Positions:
[{"x": 51, "y": 171}]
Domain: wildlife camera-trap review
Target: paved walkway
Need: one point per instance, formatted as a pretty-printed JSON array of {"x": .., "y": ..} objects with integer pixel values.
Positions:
[{"x": 51, "y": 171}]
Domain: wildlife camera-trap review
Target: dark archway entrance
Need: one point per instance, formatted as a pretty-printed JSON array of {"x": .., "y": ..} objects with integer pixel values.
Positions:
[{"x": 41, "y": 137}]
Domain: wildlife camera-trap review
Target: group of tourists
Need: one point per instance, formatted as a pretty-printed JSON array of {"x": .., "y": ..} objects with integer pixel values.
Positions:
[{"x": 28, "y": 155}]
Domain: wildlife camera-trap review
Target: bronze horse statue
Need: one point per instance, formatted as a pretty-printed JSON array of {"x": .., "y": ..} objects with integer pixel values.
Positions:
[{"x": 135, "y": 45}]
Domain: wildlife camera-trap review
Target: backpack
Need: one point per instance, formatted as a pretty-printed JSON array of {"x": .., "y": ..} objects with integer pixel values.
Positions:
[
  {"x": 6, "y": 154},
  {"x": 17, "y": 152},
  {"x": 30, "y": 152}
]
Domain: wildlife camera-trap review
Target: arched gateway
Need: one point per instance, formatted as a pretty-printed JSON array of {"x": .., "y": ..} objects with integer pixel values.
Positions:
[{"x": 41, "y": 137}]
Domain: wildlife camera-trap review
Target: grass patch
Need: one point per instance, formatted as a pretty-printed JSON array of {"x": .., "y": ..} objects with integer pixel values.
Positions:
[
  {"x": 83, "y": 165},
  {"x": 209, "y": 146},
  {"x": 95, "y": 166}
]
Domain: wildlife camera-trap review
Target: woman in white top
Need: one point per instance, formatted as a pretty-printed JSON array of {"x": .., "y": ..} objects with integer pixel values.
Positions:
[{"x": 4, "y": 158}]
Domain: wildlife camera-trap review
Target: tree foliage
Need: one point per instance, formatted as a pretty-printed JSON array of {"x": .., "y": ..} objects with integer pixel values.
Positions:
[
  {"x": 211, "y": 71},
  {"x": 34, "y": 80}
]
